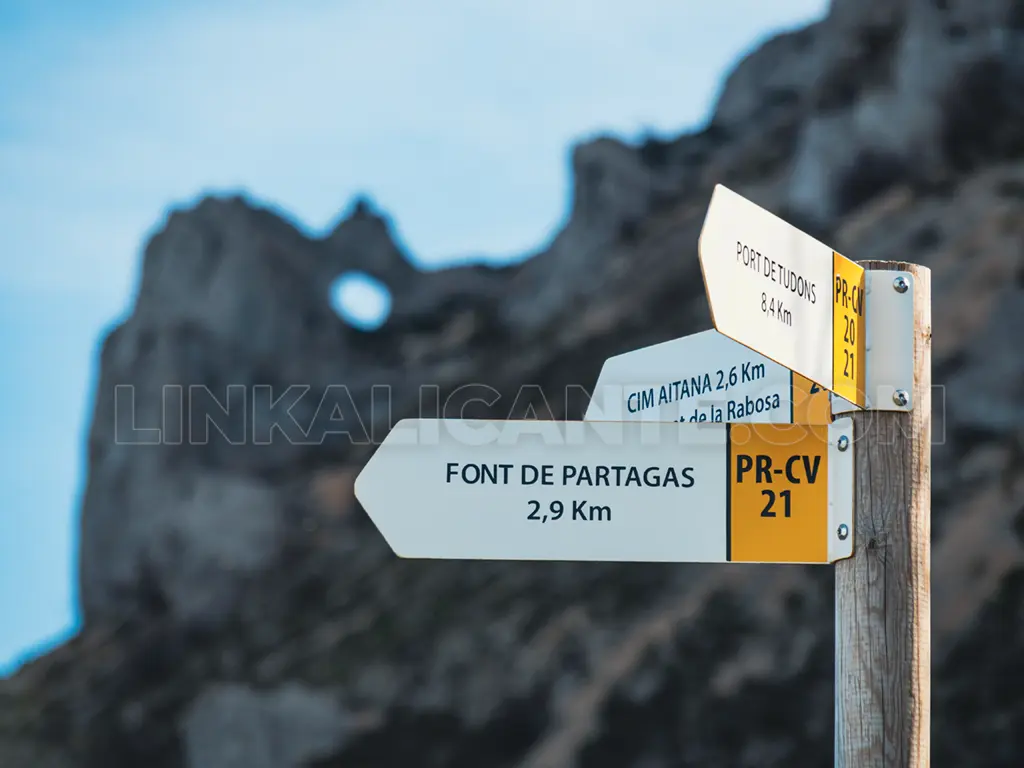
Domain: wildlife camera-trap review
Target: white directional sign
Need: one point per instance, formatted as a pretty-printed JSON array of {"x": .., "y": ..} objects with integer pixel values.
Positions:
[
  {"x": 704, "y": 377},
  {"x": 782, "y": 293},
  {"x": 613, "y": 491}
]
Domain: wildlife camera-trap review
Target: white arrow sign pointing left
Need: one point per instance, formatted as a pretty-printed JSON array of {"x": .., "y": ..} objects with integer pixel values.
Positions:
[{"x": 611, "y": 491}]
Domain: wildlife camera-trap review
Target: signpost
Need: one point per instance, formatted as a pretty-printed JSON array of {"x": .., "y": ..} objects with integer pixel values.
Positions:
[
  {"x": 883, "y": 609},
  {"x": 704, "y": 377},
  {"x": 724, "y": 447},
  {"x": 613, "y": 491}
]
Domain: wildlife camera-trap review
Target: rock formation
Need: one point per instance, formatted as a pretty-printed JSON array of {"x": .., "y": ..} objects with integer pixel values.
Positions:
[{"x": 241, "y": 610}]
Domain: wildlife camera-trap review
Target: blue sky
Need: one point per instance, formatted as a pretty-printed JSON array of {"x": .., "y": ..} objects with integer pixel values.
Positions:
[{"x": 455, "y": 116}]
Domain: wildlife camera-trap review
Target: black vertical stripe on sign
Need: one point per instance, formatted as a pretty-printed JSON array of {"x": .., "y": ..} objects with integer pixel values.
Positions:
[
  {"x": 792, "y": 396},
  {"x": 728, "y": 492}
]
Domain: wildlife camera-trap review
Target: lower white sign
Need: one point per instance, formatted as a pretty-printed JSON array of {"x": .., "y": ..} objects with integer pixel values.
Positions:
[{"x": 612, "y": 491}]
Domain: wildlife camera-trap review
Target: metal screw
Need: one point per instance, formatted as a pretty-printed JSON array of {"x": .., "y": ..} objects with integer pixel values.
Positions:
[
  {"x": 844, "y": 442},
  {"x": 843, "y": 532},
  {"x": 900, "y": 397},
  {"x": 900, "y": 284}
]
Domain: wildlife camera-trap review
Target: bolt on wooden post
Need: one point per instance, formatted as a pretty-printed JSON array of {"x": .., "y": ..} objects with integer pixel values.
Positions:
[{"x": 883, "y": 612}]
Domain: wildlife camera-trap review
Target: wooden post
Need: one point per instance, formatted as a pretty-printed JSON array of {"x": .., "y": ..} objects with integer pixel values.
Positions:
[{"x": 883, "y": 610}]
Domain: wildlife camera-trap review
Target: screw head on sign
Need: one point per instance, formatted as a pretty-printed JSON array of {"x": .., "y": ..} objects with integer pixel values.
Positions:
[
  {"x": 900, "y": 284},
  {"x": 843, "y": 532},
  {"x": 900, "y": 397},
  {"x": 844, "y": 442}
]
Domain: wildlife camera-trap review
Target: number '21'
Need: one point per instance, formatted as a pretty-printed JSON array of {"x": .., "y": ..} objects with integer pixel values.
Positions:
[
  {"x": 849, "y": 337},
  {"x": 769, "y": 510}
]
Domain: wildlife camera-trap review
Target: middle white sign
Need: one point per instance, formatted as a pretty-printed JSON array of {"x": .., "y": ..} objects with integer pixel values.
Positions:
[{"x": 704, "y": 377}]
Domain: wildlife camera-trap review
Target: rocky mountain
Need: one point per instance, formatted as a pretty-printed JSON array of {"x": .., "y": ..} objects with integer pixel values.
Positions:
[{"x": 241, "y": 610}]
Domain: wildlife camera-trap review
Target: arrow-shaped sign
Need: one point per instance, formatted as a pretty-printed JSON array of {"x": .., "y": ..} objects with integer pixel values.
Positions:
[
  {"x": 782, "y": 293},
  {"x": 704, "y": 377},
  {"x": 613, "y": 491}
]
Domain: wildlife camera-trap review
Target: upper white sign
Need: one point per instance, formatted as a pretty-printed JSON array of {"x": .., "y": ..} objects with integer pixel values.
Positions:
[
  {"x": 777, "y": 290},
  {"x": 704, "y": 377}
]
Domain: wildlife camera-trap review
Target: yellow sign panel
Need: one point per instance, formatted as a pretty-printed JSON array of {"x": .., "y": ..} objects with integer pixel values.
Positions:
[
  {"x": 778, "y": 493},
  {"x": 811, "y": 403},
  {"x": 848, "y": 330}
]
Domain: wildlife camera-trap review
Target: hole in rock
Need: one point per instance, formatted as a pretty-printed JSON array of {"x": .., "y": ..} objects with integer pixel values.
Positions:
[{"x": 360, "y": 300}]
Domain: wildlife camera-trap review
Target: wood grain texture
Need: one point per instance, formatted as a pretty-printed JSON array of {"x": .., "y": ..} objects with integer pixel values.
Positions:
[{"x": 883, "y": 610}]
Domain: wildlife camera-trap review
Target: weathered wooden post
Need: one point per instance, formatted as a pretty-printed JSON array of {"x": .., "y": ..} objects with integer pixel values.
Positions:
[{"x": 883, "y": 611}]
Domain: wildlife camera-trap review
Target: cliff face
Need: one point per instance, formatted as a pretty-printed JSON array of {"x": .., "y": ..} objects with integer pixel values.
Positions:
[{"x": 240, "y": 608}]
